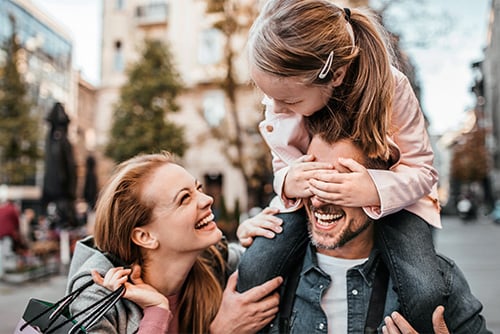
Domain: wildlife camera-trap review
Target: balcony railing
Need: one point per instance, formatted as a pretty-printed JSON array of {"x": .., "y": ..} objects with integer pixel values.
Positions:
[{"x": 151, "y": 14}]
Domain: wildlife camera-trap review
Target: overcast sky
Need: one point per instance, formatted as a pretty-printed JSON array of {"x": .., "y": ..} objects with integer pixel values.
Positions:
[{"x": 443, "y": 67}]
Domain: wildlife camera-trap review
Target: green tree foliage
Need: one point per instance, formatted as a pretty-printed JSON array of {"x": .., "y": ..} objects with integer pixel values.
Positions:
[
  {"x": 140, "y": 123},
  {"x": 233, "y": 19},
  {"x": 19, "y": 133}
]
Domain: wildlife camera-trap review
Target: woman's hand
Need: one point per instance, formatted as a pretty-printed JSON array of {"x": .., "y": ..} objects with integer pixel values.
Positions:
[
  {"x": 246, "y": 312},
  {"x": 296, "y": 184},
  {"x": 136, "y": 291},
  {"x": 265, "y": 224},
  {"x": 396, "y": 324},
  {"x": 349, "y": 184}
]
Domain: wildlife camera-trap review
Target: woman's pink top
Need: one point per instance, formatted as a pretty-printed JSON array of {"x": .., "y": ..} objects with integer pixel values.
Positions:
[{"x": 159, "y": 320}]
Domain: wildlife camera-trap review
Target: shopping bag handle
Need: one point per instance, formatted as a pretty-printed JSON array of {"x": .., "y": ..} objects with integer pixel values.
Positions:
[
  {"x": 100, "y": 307},
  {"x": 91, "y": 320},
  {"x": 57, "y": 305}
]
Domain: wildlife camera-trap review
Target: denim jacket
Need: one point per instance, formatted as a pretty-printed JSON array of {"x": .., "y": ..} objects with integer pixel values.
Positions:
[{"x": 462, "y": 312}]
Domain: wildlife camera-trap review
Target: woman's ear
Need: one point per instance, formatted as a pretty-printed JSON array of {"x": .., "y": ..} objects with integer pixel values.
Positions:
[
  {"x": 143, "y": 238},
  {"x": 338, "y": 76}
]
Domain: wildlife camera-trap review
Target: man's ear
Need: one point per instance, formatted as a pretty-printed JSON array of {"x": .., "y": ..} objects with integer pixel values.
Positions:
[
  {"x": 338, "y": 76},
  {"x": 143, "y": 238}
]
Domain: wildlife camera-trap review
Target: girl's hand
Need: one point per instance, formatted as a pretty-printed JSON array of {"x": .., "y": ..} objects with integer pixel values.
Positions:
[
  {"x": 296, "y": 184},
  {"x": 349, "y": 184},
  {"x": 265, "y": 224},
  {"x": 136, "y": 291},
  {"x": 246, "y": 312},
  {"x": 396, "y": 324}
]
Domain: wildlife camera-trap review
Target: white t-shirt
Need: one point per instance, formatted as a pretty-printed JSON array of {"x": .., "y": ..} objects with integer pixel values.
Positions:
[{"x": 334, "y": 301}]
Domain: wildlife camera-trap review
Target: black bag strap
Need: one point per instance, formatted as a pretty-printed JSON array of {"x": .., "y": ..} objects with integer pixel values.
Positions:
[
  {"x": 59, "y": 305},
  {"x": 377, "y": 299},
  {"x": 99, "y": 308}
]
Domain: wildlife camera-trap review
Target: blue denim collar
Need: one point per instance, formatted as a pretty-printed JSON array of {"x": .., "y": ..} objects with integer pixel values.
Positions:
[{"x": 366, "y": 269}]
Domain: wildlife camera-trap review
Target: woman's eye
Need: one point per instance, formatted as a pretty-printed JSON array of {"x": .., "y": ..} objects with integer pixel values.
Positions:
[{"x": 185, "y": 197}]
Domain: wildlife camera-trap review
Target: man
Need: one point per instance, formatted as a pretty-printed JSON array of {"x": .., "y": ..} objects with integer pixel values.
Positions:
[{"x": 342, "y": 286}]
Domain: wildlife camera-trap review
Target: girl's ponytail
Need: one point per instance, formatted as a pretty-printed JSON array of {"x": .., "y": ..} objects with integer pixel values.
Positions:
[{"x": 368, "y": 88}]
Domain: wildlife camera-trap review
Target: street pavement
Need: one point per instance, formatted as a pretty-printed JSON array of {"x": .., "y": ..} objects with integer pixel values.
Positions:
[{"x": 474, "y": 246}]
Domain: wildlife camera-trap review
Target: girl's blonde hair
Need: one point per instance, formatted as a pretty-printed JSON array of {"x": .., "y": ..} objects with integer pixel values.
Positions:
[
  {"x": 121, "y": 207},
  {"x": 294, "y": 38}
]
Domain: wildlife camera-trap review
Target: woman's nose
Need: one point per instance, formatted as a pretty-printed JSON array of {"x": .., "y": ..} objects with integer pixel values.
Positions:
[{"x": 206, "y": 200}]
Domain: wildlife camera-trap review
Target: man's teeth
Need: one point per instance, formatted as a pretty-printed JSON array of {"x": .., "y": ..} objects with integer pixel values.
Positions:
[
  {"x": 204, "y": 222},
  {"x": 327, "y": 219}
]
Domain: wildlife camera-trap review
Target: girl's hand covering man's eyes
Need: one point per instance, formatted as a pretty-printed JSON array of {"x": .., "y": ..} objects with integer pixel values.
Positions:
[
  {"x": 349, "y": 184},
  {"x": 300, "y": 172}
]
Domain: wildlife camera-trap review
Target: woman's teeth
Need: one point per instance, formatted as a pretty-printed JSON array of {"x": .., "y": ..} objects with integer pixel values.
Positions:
[{"x": 204, "y": 222}]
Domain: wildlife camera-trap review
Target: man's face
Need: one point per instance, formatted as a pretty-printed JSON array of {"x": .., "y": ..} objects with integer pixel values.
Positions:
[{"x": 344, "y": 232}]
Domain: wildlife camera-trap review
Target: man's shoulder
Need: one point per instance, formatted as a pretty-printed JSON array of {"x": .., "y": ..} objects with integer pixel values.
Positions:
[{"x": 454, "y": 278}]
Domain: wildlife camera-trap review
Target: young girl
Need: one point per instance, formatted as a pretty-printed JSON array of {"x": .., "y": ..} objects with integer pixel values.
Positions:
[{"x": 310, "y": 55}]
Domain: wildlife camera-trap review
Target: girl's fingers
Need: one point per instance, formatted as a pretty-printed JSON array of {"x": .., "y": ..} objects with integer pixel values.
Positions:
[
  {"x": 98, "y": 279},
  {"x": 270, "y": 210},
  {"x": 351, "y": 165}
]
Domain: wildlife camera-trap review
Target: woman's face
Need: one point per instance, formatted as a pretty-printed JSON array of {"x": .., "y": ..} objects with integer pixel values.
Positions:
[
  {"x": 290, "y": 94},
  {"x": 182, "y": 217}
]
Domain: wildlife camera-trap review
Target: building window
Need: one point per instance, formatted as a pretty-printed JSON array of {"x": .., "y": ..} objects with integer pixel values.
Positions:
[
  {"x": 120, "y": 4},
  {"x": 210, "y": 47},
  {"x": 214, "y": 108},
  {"x": 118, "y": 61}
]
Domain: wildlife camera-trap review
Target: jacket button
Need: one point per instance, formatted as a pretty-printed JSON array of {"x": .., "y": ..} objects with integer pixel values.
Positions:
[{"x": 269, "y": 128}]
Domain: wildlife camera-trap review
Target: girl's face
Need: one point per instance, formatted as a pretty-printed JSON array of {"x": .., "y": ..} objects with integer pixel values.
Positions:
[
  {"x": 290, "y": 94},
  {"x": 182, "y": 217}
]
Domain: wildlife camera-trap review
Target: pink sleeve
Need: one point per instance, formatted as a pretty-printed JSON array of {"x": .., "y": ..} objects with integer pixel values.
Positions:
[
  {"x": 413, "y": 176},
  {"x": 155, "y": 320},
  {"x": 287, "y": 138}
]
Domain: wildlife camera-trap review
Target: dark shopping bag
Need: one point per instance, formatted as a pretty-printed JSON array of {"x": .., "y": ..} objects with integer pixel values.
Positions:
[{"x": 46, "y": 317}]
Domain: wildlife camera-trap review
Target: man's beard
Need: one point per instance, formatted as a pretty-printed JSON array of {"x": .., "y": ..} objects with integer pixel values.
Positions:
[{"x": 342, "y": 238}]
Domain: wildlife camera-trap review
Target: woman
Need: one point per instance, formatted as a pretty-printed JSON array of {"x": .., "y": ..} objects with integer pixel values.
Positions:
[{"x": 154, "y": 215}]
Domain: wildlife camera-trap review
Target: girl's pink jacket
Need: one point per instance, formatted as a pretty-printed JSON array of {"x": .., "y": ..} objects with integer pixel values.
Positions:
[{"x": 411, "y": 183}]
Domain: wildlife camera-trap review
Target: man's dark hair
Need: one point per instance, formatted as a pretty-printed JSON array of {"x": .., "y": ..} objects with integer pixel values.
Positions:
[{"x": 332, "y": 127}]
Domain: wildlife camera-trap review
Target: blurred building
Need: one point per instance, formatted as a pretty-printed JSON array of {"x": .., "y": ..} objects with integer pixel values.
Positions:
[
  {"x": 198, "y": 51},
  {"x": 489, "y": 84},
  {"x": 47, "y": 68}
]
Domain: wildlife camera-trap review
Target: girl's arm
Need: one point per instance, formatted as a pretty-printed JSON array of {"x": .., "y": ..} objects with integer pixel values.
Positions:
[
  {"x": 414, "y": 175},
  {"x": 287, "y": 139}
]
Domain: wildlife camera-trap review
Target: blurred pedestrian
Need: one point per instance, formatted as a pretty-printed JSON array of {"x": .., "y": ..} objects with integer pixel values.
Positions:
[
  {"x": 90, "y": 185},
  {"x": 10, "y": 226}
]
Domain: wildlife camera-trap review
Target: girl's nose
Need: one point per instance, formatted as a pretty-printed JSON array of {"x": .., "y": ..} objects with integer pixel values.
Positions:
[{"x": 280, "y": 108}]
